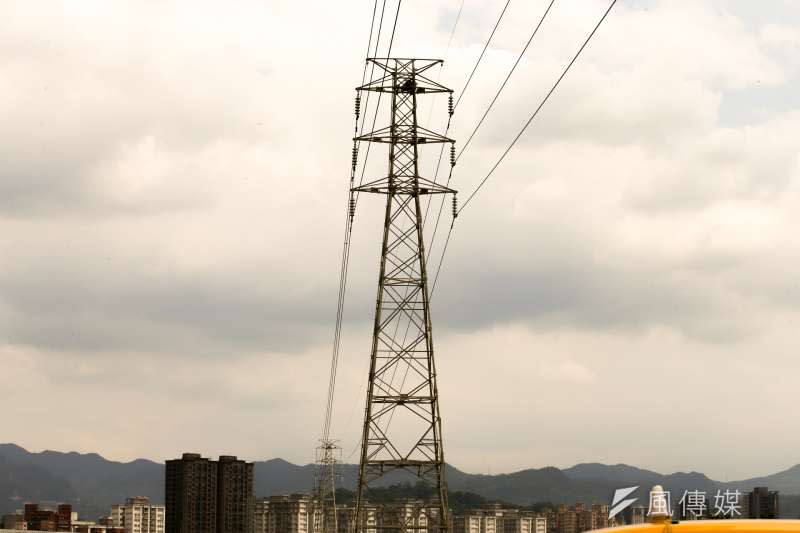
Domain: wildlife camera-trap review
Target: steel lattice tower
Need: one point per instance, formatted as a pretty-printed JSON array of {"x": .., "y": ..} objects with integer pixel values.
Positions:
[
  {"x": 402, "y": 375},
  {"x": 326, "y": 473}
]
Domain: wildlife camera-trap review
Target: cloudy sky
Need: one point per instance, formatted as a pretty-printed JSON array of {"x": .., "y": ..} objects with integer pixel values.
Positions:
[{"x": 624, "y": 289}]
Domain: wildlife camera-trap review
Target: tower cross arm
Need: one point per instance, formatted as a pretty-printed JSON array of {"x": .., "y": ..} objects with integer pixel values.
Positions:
[
  {"x": 421, "y": 187},
  {"x": 405, "y": 134}
]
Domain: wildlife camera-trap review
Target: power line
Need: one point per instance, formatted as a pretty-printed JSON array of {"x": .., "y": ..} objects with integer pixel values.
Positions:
[
  {"x": 343, "y": 271},
  {"x": 455, "y": 25},
  {"x": 544, "y": 100},
  {"x": 464, "y": 89},
  {"x": 372, "y": 70},
  {"x": 441, "y": 258},
  {"x": 348, "y": 222},
  {"x": 480, "y": 57},
  {"x": 377, "y": 106},
  {"x": 500, "y": 90},
  {"x": 447, "y": 130},
  {"x": 536, "y": 112},
  {"x": 449, "y": 117},
  {"x": 369, "y": 42},
  {"x": 444, "y": 59}
]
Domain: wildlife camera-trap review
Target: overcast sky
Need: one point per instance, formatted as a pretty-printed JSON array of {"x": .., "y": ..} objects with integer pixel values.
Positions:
[{"x": 624, "y": 289}]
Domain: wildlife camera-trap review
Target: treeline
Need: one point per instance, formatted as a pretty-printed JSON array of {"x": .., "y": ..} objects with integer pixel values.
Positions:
[{"x": 460, "y": 501}]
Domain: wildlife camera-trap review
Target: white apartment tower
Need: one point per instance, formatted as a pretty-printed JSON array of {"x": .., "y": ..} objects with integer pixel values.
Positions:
[
  {"x": 495, "y": 519},
  {"x": 294, "y": 513},
  {"x": 468, "y": 523},
  {"x": 261, "y": 515},
  {"x": 136, "y": 515},
  {"x": 346, "y": 515}
]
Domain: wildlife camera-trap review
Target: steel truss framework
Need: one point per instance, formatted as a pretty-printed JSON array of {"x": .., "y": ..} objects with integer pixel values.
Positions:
[
  {"x": 326, "y": 474},
  {"x": 402, "y": 375}
]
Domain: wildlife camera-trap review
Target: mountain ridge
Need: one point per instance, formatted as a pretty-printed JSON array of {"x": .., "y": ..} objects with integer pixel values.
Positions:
[{"x": 94, "y": 483}]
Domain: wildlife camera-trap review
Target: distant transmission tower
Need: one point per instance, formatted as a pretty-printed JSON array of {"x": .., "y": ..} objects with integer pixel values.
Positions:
[
  {"x": 329, "y": 457},
  {"x": 402, "y": 423}
]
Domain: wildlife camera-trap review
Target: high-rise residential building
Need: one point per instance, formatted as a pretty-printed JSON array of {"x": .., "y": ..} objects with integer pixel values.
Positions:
[
  {"x": 34, "y": 517},
  {"x": 408, "y": 515},
  {"x": 566, "y": 520},
  {"x": 191, "y": 494},
  {"x": 234, "y": 495},
  {"x": 59, "y": 519},
  {"x": 345, "y": 517},
  {"x": 45, "y": 518},
  {"x": 496, "y": 519},
  {"x": 261, "y": 515},
  {"x": 136, "y": 515},
  {"x": 637, "y": 514},
  {"x": 513, "y": 521},
  {"x": 87, "y": 526},
  {"x": 14, "y": 521},
  {"x": 293, "y": 513},
  {"x": 205, "y": 496},
  {"x": 489, "y": 524},
  {"x": 599, "y": 519},
  {"x": 744, "y": 501},
  {"x": 763, "y": 503},
  {"x": 583, "y": 517},
  {"x": 299, "y": 513},
  {"x": 551, "y": 515},
  {"x": 64, "y": 517},
  {"x": 468, "y": 523}
]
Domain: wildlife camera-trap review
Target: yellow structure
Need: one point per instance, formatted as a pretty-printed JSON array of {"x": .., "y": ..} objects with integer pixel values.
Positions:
[{"x": 711, "y": 526}]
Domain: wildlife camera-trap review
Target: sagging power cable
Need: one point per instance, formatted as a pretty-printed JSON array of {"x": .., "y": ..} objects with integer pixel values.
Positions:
[
  {"x": 346, "y": 247},
  {"x": 539, "y": 108},
  {"x": 514, "y": 141},
  {"x": 449, "y": 118},
  {"x": 353, "y": 200},
  {"x": 505, "y": 81}
]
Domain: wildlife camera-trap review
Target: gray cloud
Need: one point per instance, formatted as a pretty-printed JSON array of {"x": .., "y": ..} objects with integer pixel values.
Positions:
[{"x": 172, "y": 190}]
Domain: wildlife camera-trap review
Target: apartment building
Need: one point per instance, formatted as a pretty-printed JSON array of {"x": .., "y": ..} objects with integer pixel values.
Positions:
[{"x": 136, "y": 515}]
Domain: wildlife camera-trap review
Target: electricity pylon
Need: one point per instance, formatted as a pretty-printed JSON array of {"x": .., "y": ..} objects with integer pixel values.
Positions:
[
  {"x": 329, "y": 456},
  {"x": 402, "y": 378}
]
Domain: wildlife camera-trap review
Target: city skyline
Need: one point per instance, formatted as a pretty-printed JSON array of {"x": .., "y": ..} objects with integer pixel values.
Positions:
[
  {"x": 173, "y": 185},
  {"x": 138, "y": 515}
]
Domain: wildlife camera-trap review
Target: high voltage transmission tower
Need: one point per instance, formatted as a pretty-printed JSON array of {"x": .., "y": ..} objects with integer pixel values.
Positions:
[
  {"x": 326, "y": 473},
  {"x": 402, "y": 423}
]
